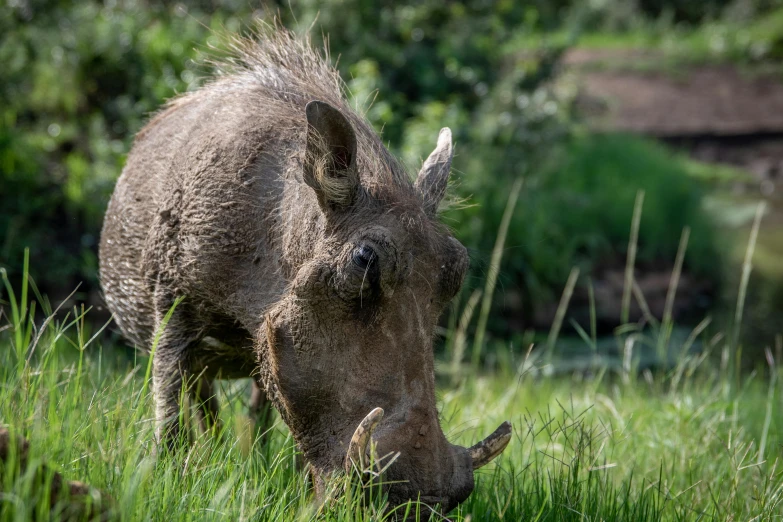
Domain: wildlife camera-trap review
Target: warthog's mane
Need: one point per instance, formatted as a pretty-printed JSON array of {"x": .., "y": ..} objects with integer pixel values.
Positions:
[{"x": 281, "y": 72}]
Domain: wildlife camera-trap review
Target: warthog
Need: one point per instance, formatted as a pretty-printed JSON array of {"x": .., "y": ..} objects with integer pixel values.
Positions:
[{"x": 305, "y": 256}]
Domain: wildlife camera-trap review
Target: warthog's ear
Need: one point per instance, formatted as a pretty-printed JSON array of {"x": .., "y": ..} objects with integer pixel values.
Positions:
[
  {"x": 330, "y": 157},
  {"x": 434, "y": 174}
]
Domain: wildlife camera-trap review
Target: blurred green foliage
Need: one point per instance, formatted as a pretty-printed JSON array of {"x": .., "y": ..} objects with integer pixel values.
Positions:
[
  {"x": 78, "y": 79},
  {"x": 580, "y": 212},
  {"x": 576, "y": 211}
]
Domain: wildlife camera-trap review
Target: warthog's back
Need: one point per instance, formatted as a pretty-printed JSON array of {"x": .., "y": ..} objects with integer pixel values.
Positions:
[
  {"x": 190, "y": 214},
  {"x": 127, "y": 224}
]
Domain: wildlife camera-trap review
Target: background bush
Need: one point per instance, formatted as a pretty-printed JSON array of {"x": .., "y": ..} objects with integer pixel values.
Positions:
[
  {"x": 78, "y": 80},
  {"x": 577, "y": 212}
]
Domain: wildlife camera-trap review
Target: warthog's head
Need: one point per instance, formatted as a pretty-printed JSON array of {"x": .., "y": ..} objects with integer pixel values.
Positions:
[{"x": 348, "y": 352}]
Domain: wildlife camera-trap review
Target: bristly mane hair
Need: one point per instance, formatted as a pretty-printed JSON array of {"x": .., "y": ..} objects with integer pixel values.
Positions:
[{"x": 286, "y": 72}]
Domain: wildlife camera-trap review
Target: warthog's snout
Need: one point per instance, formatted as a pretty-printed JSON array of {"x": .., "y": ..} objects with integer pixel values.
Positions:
[{"x": 391, "y": 456}]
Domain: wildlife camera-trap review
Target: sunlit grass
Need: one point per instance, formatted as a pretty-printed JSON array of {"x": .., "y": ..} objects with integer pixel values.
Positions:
[
  {"x": 693, "y": 441},
  {"x": 607, "y": 448}
]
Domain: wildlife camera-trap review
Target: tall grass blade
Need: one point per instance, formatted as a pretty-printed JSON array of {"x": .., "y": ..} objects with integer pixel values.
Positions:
[
  {"x": 15, "y": 319},
  {"x": 25, "y": 274},
  {"x": 773, "y": 374},
  {"x": 50, "y": 316},
  {"x": 593, "y": 314},
  {"x": 643, "y": 306},
  {"x": 494, "y": 270},
  {"x": 747, "y": 266},
  {"x": 667, "y": 322},
  {"x": 562, "y": 307},
  {"x": 682, "y": 360},
  {"x": 460, "y": 337},
  {"x": 674, "y": 282},
  {"x": 630, "y": 261}
]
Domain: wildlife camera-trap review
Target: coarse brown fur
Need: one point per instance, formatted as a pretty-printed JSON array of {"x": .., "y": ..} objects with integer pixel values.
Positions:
[{"x": 305, "y": 256}]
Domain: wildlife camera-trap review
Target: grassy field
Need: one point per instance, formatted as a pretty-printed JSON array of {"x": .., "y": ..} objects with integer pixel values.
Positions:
[{"x": 692, "y": 443}]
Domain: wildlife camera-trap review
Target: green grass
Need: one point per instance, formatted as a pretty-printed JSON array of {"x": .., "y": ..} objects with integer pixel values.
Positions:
[{"x": 690, "y": 444}]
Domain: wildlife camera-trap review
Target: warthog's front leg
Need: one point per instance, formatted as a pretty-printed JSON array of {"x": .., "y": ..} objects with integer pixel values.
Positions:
[
  {"x": 168, "y": 370},
  {"x": 170, "y": 367}
]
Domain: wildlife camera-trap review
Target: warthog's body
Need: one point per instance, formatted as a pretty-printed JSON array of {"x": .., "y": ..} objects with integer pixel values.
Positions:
[{"x": 305, "y": 256}]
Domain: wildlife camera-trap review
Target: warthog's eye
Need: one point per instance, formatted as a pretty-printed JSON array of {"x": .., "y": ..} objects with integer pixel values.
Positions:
[
  {"x": 364, "y": 279},
  {"x": 363, "y": 256}
]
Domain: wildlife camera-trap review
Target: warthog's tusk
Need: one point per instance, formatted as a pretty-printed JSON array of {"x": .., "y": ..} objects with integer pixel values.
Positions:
[
  {"x": 491, "y": 447},
  {"x": 357, "y": 448}
]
